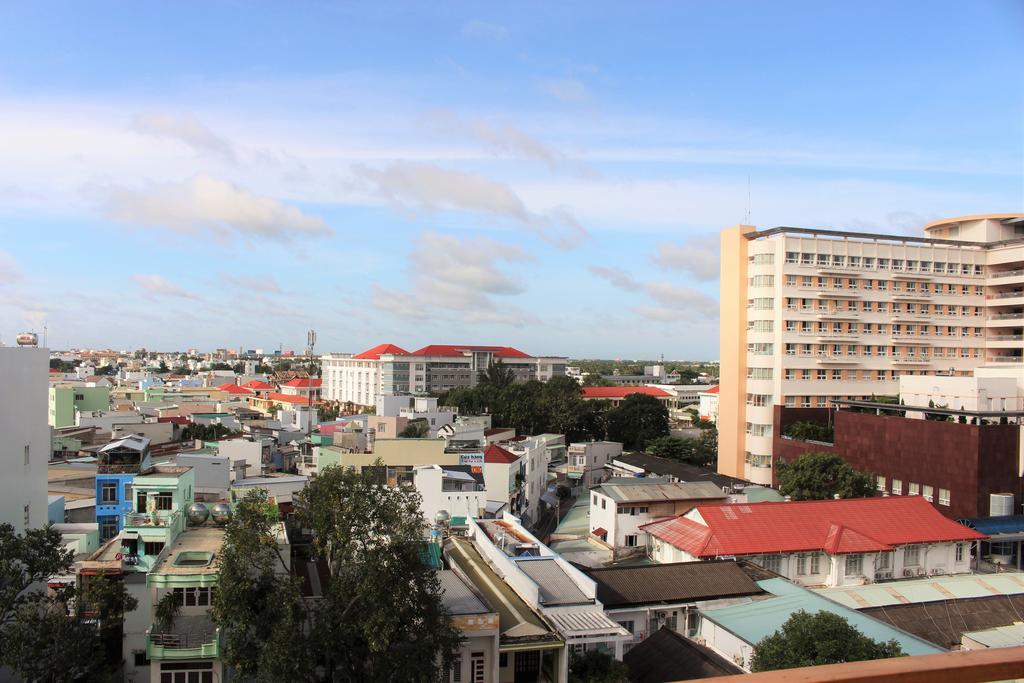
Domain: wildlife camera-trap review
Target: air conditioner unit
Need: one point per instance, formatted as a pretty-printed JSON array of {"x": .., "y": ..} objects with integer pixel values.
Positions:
[
  {"x": 883, "y": 575},
  {"x": 908, "y": 572},
  {"x": 921, "y": 571},
  {"x": 660, "y": 616},
  {"x": 938, "y": 570}
]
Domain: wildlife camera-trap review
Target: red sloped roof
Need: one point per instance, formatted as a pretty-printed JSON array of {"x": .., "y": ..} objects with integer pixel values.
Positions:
[
  {"x": 458, "y": 350},
  {"x": 376, "y": 351},
  {"x": 835, "y": 526},
  {"x": 712, "y": 390},
  {"x": 289, "y": 398},
  {"x": 497, "y": 454},
  {"x": 599, "y": 531},
  {"x": 622, "y": 392},
  {"x": 256, "y": 384},
  {"x": 234, "y": 389},
  {"x": 303, "y": 382}
]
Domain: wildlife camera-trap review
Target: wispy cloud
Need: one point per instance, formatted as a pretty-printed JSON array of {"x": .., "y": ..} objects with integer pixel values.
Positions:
[
  {"x": 697, "y": 256},
  {"x": 10, "y": 271},
  {"x": 673, "y": 303},
  {"x": 186, "y": 129},
  {"x": 203, "y": 204},
  {"x": 158, "y": 286},
  {"x": 454, "y": 275},
  {"x": 568, "y": 90},
  {"x": 474, "y": 28},
  {"x": 427, "y": 187},
  {"x": 264, "y": 283}
]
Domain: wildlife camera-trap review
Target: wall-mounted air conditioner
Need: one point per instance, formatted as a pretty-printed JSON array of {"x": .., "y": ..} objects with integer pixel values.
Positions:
[{"x": 908, "y": 572}]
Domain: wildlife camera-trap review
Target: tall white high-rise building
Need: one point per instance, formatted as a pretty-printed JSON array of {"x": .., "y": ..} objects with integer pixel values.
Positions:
[
  {"x": 24, "y": 436},
  {"x": 810, "y": 315}
]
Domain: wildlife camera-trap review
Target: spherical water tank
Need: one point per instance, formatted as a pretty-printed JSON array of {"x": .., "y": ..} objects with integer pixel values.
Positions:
[
  {"x": 221, "y": 513},
  {"x": 442, "y": 518},
  {"x": 198, "y": 513}
]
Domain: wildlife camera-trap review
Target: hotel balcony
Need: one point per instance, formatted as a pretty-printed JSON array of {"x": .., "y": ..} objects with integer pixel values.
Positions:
[
  {"x": 918, "y": 360},
  {"x": 189, "y": 637}
]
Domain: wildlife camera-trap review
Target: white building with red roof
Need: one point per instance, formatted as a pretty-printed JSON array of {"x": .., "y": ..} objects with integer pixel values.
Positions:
[
  {"x": 821, "y": 542},
  {"x": 390, "y": 370},
  {"x": 618, "y": 394},
  {"x": 707, "y": 406},
  {"x": 302, "y": 386}
]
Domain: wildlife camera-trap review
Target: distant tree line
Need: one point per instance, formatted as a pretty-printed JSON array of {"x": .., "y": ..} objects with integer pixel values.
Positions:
[{"x": 557, "y": 407}]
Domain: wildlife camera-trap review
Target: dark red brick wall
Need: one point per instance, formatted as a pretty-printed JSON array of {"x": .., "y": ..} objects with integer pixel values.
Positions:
[{"x": 971, "y": 461}]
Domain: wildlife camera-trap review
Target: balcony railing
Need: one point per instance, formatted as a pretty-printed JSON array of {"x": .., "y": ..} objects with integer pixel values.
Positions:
[
  {"x": 189, "y": 638},
  {"x": 1007, "y": 359},
  {"x": 1006, "y": 295},
  {"x": 1007, "y": 316},
  {"x": 160, "y": 518},
  {"x": 1005, "y": 337},
  {"x": 1007, "y": 273}
]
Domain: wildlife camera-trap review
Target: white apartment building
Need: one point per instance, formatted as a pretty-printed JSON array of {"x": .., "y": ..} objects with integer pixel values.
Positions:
[
  {"x": 811, "y": 315},
  {"x": 388, "y": 370},
  {"x": 24, "y": 436},
  {"x": 586, "y": 461}
]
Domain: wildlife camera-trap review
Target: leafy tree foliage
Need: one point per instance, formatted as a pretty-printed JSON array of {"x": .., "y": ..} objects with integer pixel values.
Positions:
[
  {"x": 180, "y": 370},
  {"x": 381, "y": 616},
  {"x": 212, "y": 432},
  {"x": 595, "y": 380},
  {"x": 638, "y": 419},
  {"x": 415, "y": 429},
  {"x": 822, "y": 638},
  {"x": 63, "y": 365},
  {"x": 497, "y": 375},
  {"x": 818, "y": 476},
  {"x": 219, "y": 366},
  {"x": 809, "y": 431},
  {"x": 555, "y": 406},
  {"x": 701, "y": 450},
  {"x": 39, "y": 638},
  {"x": 597, "y": 667}
]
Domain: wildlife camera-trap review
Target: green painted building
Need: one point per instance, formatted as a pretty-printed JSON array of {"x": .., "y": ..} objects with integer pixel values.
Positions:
[{"x": 66, "y": 399}]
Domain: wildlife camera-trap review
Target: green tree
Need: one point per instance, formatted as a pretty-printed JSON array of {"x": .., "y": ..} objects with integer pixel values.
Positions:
[
  {"x": 809, "y": 431},
  {"x": 822, "y": 638},
  {"x": 238, "y": 368},
  {"x": 639, "y": 418},
  {"x": 596, "y": 380},
  {"x": 415, "y": 429},
  {"x": 597, "y": 667},
  {"x": 40, "y": 639},
  {"x": 380, "y": 617},
  {"x": 180, "y": 370},
  {"x": 497, "y": 375},
  {"x": 671, "y": 447},
  {"x": 818, "y": 476},
  {"x": 219, "y": 366}
]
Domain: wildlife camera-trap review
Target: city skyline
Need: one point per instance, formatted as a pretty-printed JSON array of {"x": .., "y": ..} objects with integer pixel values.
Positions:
[{"x": 547, "y": 179}]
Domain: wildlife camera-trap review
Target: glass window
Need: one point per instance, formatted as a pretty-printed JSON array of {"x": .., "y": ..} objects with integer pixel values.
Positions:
[
  {"x": 801, "y": 564},
  {"x": 926, "y": 493},
  {"x": 854, "y": 565},
  {"x": 108, "y": 492},
  {"x": 880, "y": 483},
  {"x": 913, "y": 489},
  {"x": 815, "y": 563},
  {"x": 911, "y": 556},
  {"x": 943, "y": 496},
  {"x": 897, "y": 486}
]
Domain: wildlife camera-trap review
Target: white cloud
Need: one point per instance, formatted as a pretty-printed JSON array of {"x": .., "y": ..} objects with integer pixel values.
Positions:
[
  {"x": 475, "y": 28},
  {"x": 675, "y": 303},
  {"x": 10, "y": 271},
  {"x": 697, "y": 256},
  {"x": 428, "y": 187},
  {"x": 456, "y": 276},
  {"x": 568, "y": 90},
  {"x": 157, "y": 286},
  {"x": 183, "y": 128},
  {"x": 505, "y": 140},
  {"x": 203, "y": 204}
]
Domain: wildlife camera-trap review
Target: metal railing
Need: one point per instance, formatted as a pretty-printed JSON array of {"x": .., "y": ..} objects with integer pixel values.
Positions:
[
  {"x": 1007, "y": 316},
  {"x": 160, "y": 518},
  {"x": 1007, "y": 273}
]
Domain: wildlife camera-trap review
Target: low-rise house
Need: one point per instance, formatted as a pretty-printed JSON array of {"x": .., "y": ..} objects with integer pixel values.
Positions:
[
  {"x": 620, "y": 507},
  {"x": 708, "y": 405},
  {"x": 734, "y": 631},
  {"x": 118, "y": 463},
  {"x": 822, "y": 542},
  {"x": 668, "y": 656},
  {"x": 586, "y": 461},
  {"x": 456, "y": 489},
  {"x": 479, "y": 655},
  {"x": 645, "y": 598},
  {"x": 515, "y": 474},
  {"x": 305, "y": 387}
]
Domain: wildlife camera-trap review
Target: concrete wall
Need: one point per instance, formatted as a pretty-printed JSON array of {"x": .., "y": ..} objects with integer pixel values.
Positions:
[
  {"x": 24, "y": 430},
  {"x": 733, "y": 350}
]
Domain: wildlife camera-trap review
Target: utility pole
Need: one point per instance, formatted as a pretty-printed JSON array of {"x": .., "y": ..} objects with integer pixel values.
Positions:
[{"x": 310, "y": 345}]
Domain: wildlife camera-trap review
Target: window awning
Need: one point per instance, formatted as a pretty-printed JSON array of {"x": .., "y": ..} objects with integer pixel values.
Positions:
[
  {"x": 599, "y": 531},
  {"x": 129, "y": 535},
  {"x": 574, "y": 475}
]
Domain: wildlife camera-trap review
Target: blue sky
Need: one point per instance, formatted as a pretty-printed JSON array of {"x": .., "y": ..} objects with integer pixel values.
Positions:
[{"x": 546, "y": 175}]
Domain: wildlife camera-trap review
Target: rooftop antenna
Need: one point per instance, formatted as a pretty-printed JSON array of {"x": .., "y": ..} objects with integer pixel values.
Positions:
[
  {"x": 746, "y": 217},
  {"x": 310, "y": 344},
  {"x": 44, "y": 337}
]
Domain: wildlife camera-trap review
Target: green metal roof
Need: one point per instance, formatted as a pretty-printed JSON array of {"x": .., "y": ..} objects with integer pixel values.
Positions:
[
  {"x": 756, "y": 620},
  {"x": 1000, "y": 636},
  {"x": 762, "y": 494},
  {"x": 930, "y": 589}
]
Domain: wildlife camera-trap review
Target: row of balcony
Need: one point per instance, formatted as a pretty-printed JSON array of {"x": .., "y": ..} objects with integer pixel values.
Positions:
[{"x": 159, "y": 518}]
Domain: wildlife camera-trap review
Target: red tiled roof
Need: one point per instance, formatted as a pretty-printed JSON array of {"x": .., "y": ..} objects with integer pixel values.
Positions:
[
  {"x": 234, "y": 389},
  {"x": 835, "y": 526},
  {"x": 497, "y": 454},
  {"x": 376, "y": 351},
  {"x": 712, "y": 390},
  {"x": 303, "y": 382},
  {"x": 623, "y": 392},
  {"x": 289, "y": 398},
  {"x": 257, "y": 384},
  {"x": 599, "y": 531},
  {"x": 458, "y": 350},
  {"x": 176, "y": 419}
]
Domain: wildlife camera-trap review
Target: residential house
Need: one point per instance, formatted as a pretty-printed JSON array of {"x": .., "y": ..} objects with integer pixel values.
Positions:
[
  {"x": 479, "y": 657},
  {"x": 457, "y": 489},
  {"x": 620, "y": 507},
  {"x": 586, "y": 461},
  {"x": 117, "y": 465},
  {"x": 821, "y": 542},
  {"x": 66, "y": 399},
  {"x": 668, "y": 656}
]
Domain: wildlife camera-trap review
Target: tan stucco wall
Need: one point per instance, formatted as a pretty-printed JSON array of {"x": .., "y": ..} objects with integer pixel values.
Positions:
[{"x": 732, "y": 349}]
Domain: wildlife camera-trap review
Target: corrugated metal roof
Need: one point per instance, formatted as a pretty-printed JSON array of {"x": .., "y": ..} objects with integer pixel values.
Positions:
[
  {"x": 556, "y": 587},
  {"x": 458, "y": 597},
  {"x": 756, "y": 620},
  {"x": 1000, "y": 636},
  {"x": 584, "y": 623},
  {"x": 931, "y": 589},
  {"x": 641, "y": 491}
]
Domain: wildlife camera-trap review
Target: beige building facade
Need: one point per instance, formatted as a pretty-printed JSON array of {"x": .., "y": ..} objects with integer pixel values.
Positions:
[{"x": 811, "y": 315}]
